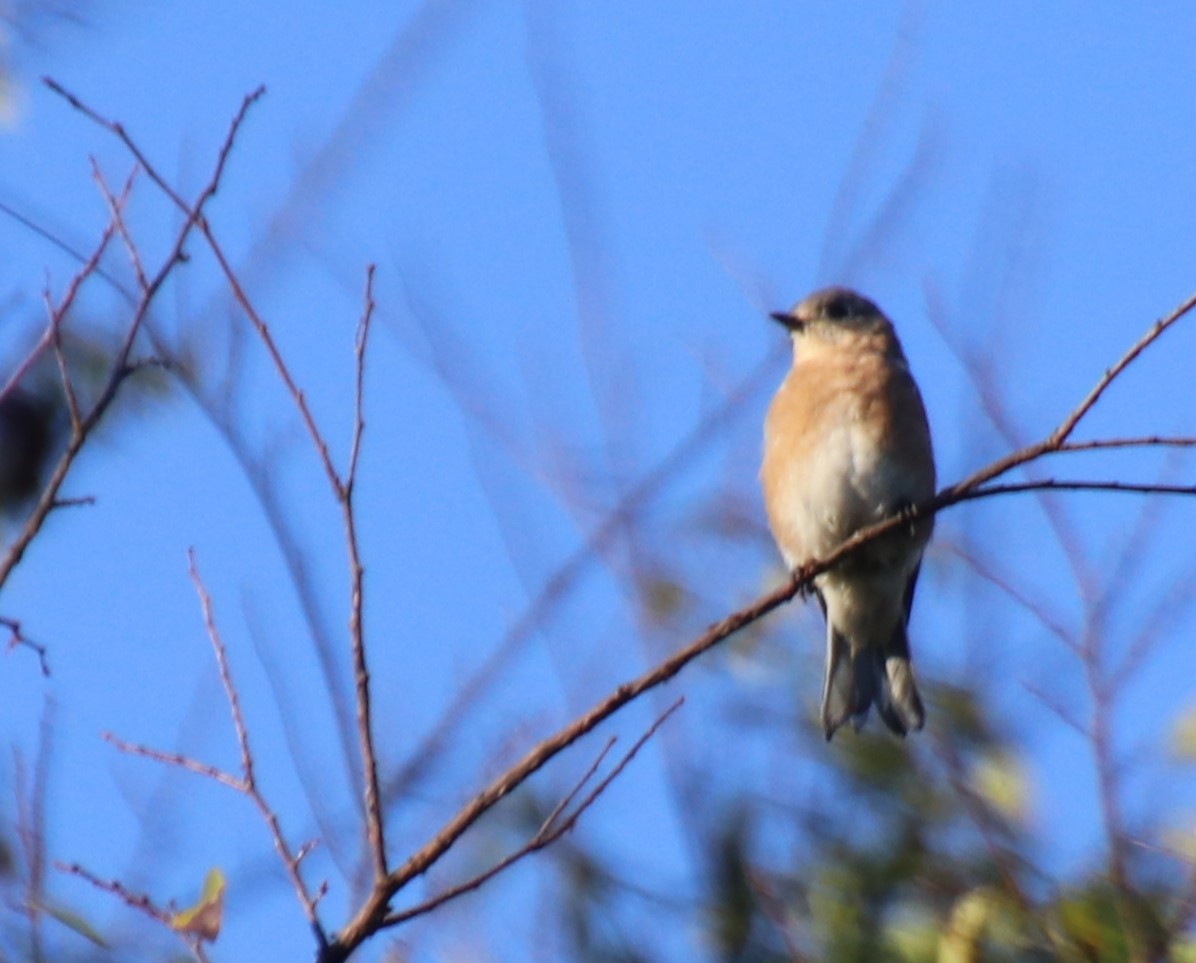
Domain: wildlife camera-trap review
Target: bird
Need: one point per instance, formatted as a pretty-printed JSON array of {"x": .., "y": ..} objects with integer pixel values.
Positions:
[{"x": 846, "y": 445}]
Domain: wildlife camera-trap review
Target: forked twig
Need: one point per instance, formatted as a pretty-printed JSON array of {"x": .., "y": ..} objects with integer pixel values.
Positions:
[
  {"x": 552, "y": 829},
  {"x": 291, "y": 859},
  {"x": 83, "y": 423},
  {"x": 246, "y": 783}
]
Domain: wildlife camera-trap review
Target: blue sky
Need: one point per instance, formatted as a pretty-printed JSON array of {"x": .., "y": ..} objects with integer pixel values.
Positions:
[{"x": 580, "y": 219}]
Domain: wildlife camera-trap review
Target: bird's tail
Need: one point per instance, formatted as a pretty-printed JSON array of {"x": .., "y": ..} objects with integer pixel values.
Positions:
[{"x": 870, "y": 674}]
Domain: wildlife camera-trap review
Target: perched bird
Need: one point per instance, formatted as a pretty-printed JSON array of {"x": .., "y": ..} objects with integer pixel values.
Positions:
[{"x": 846, "y": 444}]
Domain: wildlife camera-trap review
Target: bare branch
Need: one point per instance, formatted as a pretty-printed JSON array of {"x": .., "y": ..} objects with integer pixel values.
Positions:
[
  {"x": 1060, "y": 436},
  {"x": 375, "y": 830},
  {"x": 116, "y": 213},
  {"x": 118, "y": 129},
  {"x": 137, "y": 901},
  {"x": 550, "y": 820},
  {"x": 140, "y": 902},
  {"x": 1152, "y": 334},
  {"x": 89, "y": 266},
  {"x": 1147, "y": 441},
  {"x": 1067, "y": 485},
  {"x": 552, "y": 829},
  {"x": 375, "y": 913},
  {"x": 226, "y": 679},
  {"x": 175, "y": 759},
  {"x": 363, "y": 334},
  {"x": 84, "y": 423},
  {"x": 988, "y": 574},
  {"x": 248, "y": 783},
  {"x": 267, "y": 339},
  {"x": 17, "y": 637}
]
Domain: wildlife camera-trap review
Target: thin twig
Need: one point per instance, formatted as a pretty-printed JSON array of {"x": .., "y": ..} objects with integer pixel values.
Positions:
[
  {"x": 132, "y": 899},
  {"x": 140, "y": 902},
  {"x": 88, "y": 267},
  {"x": 1016, "y": 595},
  {"x": 226, "y": 679},
  {"x": 116, "y": 213},
  {"x": 359, "y": 349},
  {"x": 342, "y": 489},
  {"x": 1061, "y": 435},
  {"x": 77, "y": 501},
  {"x": 551, "y": 819},
  {"x": 1149, "y": 337},
  {"x": 118, "y": 129},
  {"x": 1074, "y": 485},
  {"x": 1146, "y": 441},
  {"x": 248, "y": 782},
  {"x": 84, "y": 424},
  {"x": 552, "y": 829},
  {"x": 1053, "y": 704},
  {"x": 17, "y": 637},
  {"x": 175, "y": 759},
  {"x": 375, "y": 829}
]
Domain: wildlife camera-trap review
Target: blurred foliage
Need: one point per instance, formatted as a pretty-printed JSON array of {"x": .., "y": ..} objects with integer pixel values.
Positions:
[
  {"x": 29, "y": 424},
  {"x": 35, "y": 420},
  {"x": 926, "y": 861}
]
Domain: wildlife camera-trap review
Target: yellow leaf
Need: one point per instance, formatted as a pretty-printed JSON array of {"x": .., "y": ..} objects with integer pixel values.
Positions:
[
  {"x": 970, "y": 917},
  {"x": 203, "y": 919},
  {"x": 1001, "y": 781}
]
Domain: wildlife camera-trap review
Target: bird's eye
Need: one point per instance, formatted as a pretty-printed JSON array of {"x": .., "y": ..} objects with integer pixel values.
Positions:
[{"x": 837, "y": 309}]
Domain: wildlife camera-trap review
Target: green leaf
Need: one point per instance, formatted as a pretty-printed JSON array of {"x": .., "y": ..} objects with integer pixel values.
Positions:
[
  {"x": 204, "y": 918},
  {"x": 913, "y": 935}
]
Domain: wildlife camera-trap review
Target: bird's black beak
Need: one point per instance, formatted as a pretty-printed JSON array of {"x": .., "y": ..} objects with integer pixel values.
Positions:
[{"x": 788, "y": 320}]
